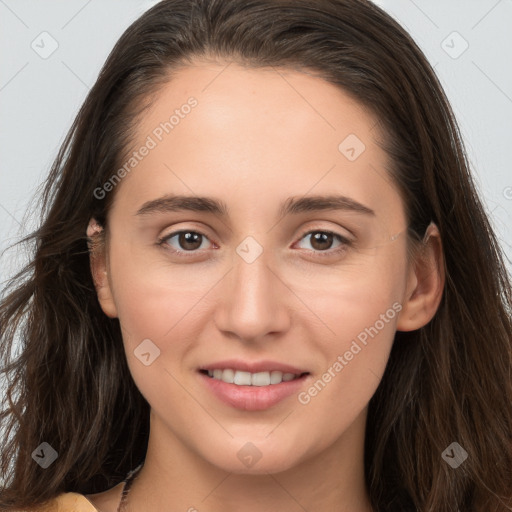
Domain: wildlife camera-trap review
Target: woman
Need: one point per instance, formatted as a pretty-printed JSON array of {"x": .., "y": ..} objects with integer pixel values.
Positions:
[{"x": 184, "y": 348}]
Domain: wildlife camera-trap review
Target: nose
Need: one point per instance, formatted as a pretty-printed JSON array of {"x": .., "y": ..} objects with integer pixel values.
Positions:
[{"x": 254, "y": 301}]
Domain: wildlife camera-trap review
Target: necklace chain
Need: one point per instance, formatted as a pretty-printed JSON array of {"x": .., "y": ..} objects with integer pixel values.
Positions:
[{"x": 128, "y": 483}]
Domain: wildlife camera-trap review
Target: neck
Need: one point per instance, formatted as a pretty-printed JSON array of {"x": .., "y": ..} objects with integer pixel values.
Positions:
[{"x": 175, "y": 477}]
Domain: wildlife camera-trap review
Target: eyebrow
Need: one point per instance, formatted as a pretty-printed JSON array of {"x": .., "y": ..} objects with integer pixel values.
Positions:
[{"x": 291, "y": 206}]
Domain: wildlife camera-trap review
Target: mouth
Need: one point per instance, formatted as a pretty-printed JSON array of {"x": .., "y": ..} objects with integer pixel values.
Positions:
[
  {"x": 251, "y": 387},
  {"x": 243, "y": 378}
]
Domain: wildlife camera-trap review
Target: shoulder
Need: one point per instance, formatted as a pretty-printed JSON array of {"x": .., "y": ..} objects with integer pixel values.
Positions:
[
  {"x": 67, "y": 502},
  {"x": 75, "y": 502}
]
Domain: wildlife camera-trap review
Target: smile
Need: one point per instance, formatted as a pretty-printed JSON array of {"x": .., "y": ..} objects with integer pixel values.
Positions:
[{"x": 242, "y": 378}]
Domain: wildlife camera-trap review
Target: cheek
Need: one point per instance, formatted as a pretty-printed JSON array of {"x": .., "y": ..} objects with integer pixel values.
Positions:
[
  {"x": 155, "y": 299},
  {"x": 361, "y": 335},
  {"x": 348, "y": 299},
  {"x": 354, "y": 362},
  {"x": 358, "y": 312},
  {"x": 158, "y": 310}
]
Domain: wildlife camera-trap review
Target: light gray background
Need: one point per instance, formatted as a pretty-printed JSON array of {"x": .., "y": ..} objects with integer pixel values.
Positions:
[{"x": 39, "y": 97}]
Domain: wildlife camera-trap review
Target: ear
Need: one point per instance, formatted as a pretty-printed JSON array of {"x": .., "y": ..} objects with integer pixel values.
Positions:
[
  {"x": 98, "y": 261},
  {"x": 425, "y": 283}
]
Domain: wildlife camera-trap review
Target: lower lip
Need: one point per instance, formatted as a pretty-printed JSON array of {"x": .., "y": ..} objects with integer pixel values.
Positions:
[{"x": 252, "y": 398}]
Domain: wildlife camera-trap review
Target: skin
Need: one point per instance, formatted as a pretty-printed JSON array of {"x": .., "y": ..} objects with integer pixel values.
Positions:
[{"x": 257, "y": 137}]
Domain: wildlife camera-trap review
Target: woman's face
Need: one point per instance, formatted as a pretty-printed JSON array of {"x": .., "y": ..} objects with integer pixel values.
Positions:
[{"x": 261, "y": 277}]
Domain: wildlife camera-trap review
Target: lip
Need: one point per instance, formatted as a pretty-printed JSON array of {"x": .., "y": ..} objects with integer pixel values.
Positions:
[
  {"x": 253, "y": 367},
  {"x": 252, "y": 398}
]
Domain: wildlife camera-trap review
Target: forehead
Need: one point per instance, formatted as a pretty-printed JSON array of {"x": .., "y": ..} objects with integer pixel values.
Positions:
[
  {"x": 279, "y": 101},
  {"x": 273, "y": 131}
]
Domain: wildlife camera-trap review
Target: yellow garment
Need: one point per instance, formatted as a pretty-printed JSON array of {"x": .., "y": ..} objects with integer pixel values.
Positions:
[
  {"x": 68, "y": 502},
  {"x": 74, "y": 502}
]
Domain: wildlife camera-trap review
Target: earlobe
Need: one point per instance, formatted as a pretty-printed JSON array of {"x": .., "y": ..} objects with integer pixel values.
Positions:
[
  {"x": 425, "y": 283},
  {"x": 98, "y": 263}
]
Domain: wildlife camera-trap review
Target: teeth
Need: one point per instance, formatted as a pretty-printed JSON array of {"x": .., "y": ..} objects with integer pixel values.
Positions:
[
  {"x": 260, "y": 379},
  {"x": 242, "y": 378},
  {"x": 277, "y": 377},
  {"x": 251, "y": 379},
  {"x": 227, "y": 376}
]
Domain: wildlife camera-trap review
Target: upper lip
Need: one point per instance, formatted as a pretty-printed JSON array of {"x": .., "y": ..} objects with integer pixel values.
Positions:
[{"x": 253, "y": 367}]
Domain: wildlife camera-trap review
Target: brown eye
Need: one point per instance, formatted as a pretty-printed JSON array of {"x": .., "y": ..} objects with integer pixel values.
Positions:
[
  {"x": 184, "y": 241},
  {"x": 322, "y": 241},
  {"x": 189, "y": 240}
]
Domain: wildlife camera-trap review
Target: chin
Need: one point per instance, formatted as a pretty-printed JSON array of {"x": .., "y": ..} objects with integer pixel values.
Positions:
[
  {"x": 245, "y": 458},
  {"x": 275, "y": 465}
]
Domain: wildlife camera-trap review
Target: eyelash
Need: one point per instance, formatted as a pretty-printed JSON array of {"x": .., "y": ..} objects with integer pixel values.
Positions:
[{"x": 345, "y": 242}]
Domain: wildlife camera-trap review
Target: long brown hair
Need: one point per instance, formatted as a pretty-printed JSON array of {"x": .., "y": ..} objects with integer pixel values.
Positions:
[{"x": 449, "y": 381}]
